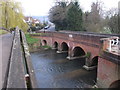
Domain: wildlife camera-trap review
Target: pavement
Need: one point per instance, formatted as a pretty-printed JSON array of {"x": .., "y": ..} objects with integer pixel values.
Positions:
[{"x": 5, "y": 50}]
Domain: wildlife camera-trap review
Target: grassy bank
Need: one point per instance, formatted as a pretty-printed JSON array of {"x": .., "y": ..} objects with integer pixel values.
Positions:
[
  {"x": 46, "y": 47},
  {"x": 31, "y": 40},
  {"x": 34, "y": 44}
]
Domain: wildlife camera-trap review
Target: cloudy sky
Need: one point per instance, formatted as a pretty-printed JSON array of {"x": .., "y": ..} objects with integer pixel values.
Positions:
[{"x": 41, "y": 7}]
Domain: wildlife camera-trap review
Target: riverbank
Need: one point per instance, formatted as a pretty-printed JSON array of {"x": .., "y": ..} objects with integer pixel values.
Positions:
[{"x": 35, "y": 44}]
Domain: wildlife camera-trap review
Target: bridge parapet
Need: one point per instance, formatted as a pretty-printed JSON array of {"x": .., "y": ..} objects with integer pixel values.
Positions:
[
  {"x": 109, "y": 62},
  {"x": 16, "y": 70},
  {"x": 111, "y": 45},
  {"x": 30, "y": 71},
  {"x": 88, "y": 39},
  {"x": 110, "y": 49},
  {"x": 20, "y": 71},
  {"x": 44, "y": 34},
  {"x": 77, "y": 36}
]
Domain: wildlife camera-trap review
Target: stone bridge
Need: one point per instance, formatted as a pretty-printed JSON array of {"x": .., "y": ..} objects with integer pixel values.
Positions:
[{"x": 91, "y": 46}]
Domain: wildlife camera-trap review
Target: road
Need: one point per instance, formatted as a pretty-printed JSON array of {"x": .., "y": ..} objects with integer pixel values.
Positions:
[
  {"x": 51, "y": 28},
  {"x": 5, "y": 49}
]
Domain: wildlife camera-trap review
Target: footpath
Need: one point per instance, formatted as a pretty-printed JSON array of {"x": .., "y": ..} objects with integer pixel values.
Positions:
[{"x": 5, "y": 51}]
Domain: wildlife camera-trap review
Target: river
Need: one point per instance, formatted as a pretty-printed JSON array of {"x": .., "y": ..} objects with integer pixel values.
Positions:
[{"x": 53, "y": 70}]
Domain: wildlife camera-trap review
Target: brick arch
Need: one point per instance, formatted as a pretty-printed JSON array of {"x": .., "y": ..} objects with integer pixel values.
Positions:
[
  {"x": 115, "y": 84},
  {"x": 94, "y": 61},
  {"x": 44, "y": 42},
  {"x": 78, "y": 51},
  {"x": 64, "y": 46},
  {"x": 55, "y": 44}
]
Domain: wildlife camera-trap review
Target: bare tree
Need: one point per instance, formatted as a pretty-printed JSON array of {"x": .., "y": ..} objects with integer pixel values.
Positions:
[
  {"x": 112, "y": 20},
  {"x": 93, "y": 19}
]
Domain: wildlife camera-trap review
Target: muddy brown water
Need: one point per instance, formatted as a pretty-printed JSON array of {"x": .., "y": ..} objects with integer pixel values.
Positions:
[{"x": 53, "y": 70}]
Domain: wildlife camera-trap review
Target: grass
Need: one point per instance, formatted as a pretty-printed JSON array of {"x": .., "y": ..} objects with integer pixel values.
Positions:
[
  {"x": 88, "y": 54},
  {"x": 30, "y": 40},
  {"x": 46, "y": 46},
  {"x": 3, "y": 32}
]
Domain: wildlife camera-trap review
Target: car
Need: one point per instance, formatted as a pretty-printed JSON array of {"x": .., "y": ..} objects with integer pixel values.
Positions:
[{"x": 46, "y": 27}]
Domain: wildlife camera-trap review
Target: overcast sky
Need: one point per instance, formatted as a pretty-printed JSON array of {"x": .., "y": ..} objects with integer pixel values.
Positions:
[{"x": 41, "y": 7}]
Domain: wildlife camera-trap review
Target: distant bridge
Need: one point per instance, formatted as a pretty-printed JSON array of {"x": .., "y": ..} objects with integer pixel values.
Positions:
[{"x": 93, "y": 47}]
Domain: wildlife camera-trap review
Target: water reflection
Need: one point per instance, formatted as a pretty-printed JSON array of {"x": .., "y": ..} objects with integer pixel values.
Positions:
[{"x": 53, "y": 70}]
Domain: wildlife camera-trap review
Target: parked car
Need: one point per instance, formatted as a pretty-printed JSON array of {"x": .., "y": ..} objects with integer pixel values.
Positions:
[{"x": 46, "y": 27}]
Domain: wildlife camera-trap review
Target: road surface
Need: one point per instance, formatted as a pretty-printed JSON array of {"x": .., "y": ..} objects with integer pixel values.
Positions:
[
  {"x": 51, "y": 28},
  {"x": 5, "y": 49}
]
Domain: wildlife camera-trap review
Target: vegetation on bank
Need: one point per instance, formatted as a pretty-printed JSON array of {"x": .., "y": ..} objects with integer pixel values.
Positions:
[
  {"x": 30, "y": 40},
  {"x": 46, "y": 47},
  {"x": 3, "y": 32},
  {"x": 88, "y": 54},
  {"x": 34, "y": 44}
]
